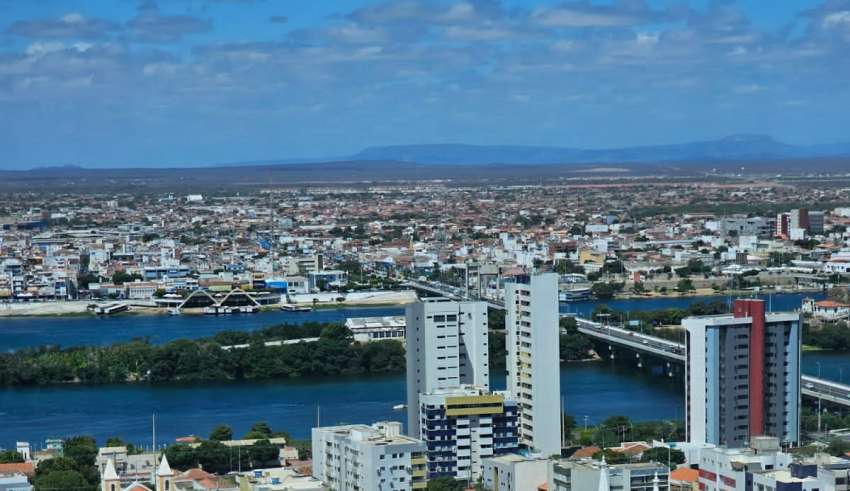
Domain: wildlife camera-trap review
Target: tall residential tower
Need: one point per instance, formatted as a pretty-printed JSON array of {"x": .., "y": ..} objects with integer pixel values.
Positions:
[
  {"x": 446, "y": 348},
  {"x": 743, "y": 376},
  {"x": 534, "y": 375}
]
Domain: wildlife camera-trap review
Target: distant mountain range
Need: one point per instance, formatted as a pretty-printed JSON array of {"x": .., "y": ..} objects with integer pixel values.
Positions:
[
  {"x": 726, "y": 150},
  {"x": 735, "y": 147}
]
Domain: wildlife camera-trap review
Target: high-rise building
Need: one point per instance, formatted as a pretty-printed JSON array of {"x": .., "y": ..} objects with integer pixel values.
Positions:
[
  {"x": 534, "y": 376},
  {"x": 816, "y": 222},
  {"x": 783, "y": 225},
  {"x": 799, "y": 218},
  {"x": 463, "y": 426},
  {"x": 446, "y": 348},
  {"x": 360, "y": 457},
  {"x": 743, "y": 376}
]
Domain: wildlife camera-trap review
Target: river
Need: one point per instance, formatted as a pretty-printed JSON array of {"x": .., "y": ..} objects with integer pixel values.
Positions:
[{"x": 593, "y": 389}]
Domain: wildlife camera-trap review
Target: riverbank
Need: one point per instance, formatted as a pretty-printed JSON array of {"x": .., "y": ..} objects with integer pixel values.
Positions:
[
  {"x": 67, "y": 308},
  {"x": 710, "y": 292},
  {"x": 46, "y": 309}
]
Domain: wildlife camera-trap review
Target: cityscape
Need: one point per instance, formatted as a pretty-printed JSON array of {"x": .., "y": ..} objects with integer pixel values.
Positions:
[{"x": 444, "y": 245}]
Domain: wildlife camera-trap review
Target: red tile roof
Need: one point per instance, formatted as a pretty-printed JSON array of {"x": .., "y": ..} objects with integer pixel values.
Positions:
[
  {"x": 684, "y": 474},
  {"x": 26, "y": 468},
  {"x": 585, "y": 452}
]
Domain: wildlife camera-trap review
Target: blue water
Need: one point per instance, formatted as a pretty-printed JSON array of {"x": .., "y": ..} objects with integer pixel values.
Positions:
[
  {"x": 21, "y": 332},
  {"x": 593, "y": 389}
]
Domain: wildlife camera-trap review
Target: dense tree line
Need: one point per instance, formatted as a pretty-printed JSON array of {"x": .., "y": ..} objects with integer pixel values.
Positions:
[
  {"x": 75, "y": 470},
  {"x": 214, "y": 456},
  {"x": 834, "y": 337},
  {"x": 661, "y": 317},
  {"x": 334, "y": 353},
  {"x": 573, "y": 345}
]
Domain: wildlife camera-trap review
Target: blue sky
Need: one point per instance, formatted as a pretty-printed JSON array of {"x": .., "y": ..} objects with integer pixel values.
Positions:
[{"x": 105, "y": 83}]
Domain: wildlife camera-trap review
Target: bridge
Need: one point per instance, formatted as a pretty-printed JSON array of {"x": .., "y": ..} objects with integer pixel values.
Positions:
[
  {"x": 452, "y": 292},
  {"x": 670, "y": 351}
]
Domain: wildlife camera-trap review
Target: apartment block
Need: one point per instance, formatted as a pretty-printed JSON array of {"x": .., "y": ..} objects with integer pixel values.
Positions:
[
  {"x": 463, "y": 426},
  {"x": 361, "y": 457},
  {"x": 534, "y": 376},
  {"x": 514, "y": 472},
  {"x": 446, "y": 348},
  {"x": 743, "y": 376},
  {"x": 732, "y": 469}
]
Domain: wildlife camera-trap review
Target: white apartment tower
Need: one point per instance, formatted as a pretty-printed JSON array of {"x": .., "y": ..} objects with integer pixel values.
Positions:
[
  {"x": 446, "y": 348},
  {"x": 534, "y": 375}
]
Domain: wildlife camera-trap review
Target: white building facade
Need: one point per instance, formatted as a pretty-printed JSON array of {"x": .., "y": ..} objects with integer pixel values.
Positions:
[
  {"x": 360, "y": 457},
  {"x": 534, "y": 380},
  {"x": 446, "y": 347}
]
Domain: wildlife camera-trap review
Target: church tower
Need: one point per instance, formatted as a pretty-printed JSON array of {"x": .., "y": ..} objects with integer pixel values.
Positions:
[
  {"x": 109, "y": 480},
  {"x": 164, "y": 476}
]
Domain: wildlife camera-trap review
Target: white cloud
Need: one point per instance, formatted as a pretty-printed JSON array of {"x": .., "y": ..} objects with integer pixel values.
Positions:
[
  {"x": 43, "y": 48},
  {"x": 476, "y": 33},
  {"x": 837, "y": 19},
  {"x": 568, "y": 17},
  {"x": 73, "y": 18}
]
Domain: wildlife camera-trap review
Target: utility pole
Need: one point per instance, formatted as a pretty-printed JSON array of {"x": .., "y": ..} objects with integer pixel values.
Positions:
[
  {"x": 153, "y": 434},
  {"x": 819, "y": 401}
]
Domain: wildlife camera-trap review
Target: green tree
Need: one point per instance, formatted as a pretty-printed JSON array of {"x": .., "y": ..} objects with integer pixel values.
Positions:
[
  {"x": 62, "y": 479},
  {"x": 611, "y": 456},
  {"x": 121, "y": 277},
  {"x": 81, "y": 449},
  {"x": 605, "y": 290},
  {"x": 662, "y": 455},
  {"x": 221, "y": 433},
  {"x": 115, "y": 442},
  {"x": 574, "y": 347},
  {"x": 838, "y": 447},
  {"x": 181, "y": 456},
  {"x": 10, "y": 457},
  {"x": 264, "y": 454},
  {"x": 685, "y": 285},
  {"x": 259, "y": 431},
  {"x": 213, "y": 456},
  {"x": 446, "y": 484}
]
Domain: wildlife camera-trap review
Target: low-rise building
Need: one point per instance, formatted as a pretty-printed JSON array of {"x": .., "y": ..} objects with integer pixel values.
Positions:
[
  {"x": 729, "y": 469},
  {"x": 366, "y": 329},
  {"x": 589, "y": 475},
  {"x": 278, "y": 479},
  {"x": 376, "y": 457},
  {"x": 14, "y": 482},
  {"x": 514, "y": 472}
]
